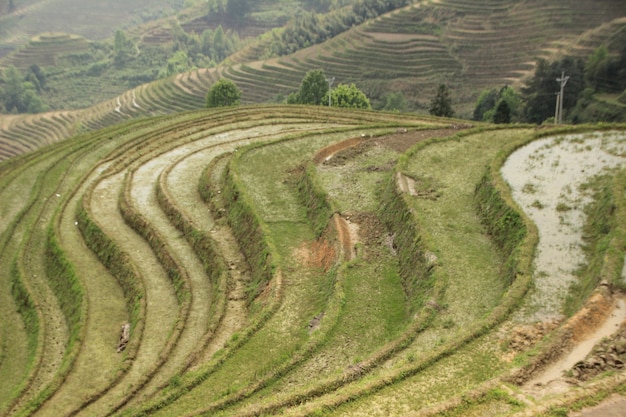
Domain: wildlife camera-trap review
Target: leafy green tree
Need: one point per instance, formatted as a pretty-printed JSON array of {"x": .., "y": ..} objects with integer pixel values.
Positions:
[
  {"x": 36, "y": 76},
  {"x": 18, "y": 95},
  {"x": 395, "y": 101},
  {"x": 216, "y": 7},
  {"x": 513, "y": 100},
  {"x": 502, "y": 113},
  {"x": 597, "y": 68},
  {"x": 539, "y": 92},
  {"x": 313, "y": 88},
  {"x": 223, "y": 93},
  {"x": 122, "y": 48},
  {"x": 486, "y": 101},
  {"x": 349, "y": 96},
  {"x": 238, "y": 10},
  {"x": 441, "y": 104},
  {"x": 176, "y": 64},
  {"x": 489, "y": 102},
  {"x": 31, "y": 101},
  {"x": 293, "y": 98}
]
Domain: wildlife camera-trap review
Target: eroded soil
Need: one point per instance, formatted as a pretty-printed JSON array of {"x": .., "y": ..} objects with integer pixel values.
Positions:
[{"x": 546, "y": 178}]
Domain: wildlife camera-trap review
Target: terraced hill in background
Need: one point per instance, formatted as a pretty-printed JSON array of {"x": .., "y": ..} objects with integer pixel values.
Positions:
[
  {"x": 291, "y": 260},
  {"x": 89, "y": 19},
  {"x": 467, "y": 45}
]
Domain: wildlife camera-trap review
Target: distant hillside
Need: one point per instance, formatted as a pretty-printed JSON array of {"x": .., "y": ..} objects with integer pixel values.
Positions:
[
  {"x": 91, "y": 19},
  {"x": 468, "y": 45}
]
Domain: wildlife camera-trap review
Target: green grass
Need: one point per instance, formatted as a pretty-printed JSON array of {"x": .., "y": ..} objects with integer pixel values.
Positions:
[{"x": 401, "y": 329}]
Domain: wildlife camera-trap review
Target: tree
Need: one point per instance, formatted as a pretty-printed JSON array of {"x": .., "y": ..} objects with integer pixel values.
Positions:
[
  {"x": 490, "y": 102},
  {"x": 13, "y": 90},
  {"x": 441, "y": 104},
  {"x": 176, "y": 64},
  {"x": 395, "y": 101},
  {"x": 349, "y": 96},
  {"x": 502, "y": 113},
  {"x": 486, "y": 101},
  {"x": 18, "y": 95},
  {"x": 36, "y": 76},
  {"x": 121, "y": 47},
  {"x": 597, "y": 67},
  {"x": 223, "y": 93},
  {"x": 238, "y": 9},
  {"x": 313, "y": 88},
  {"x": 539, "y": 92}
]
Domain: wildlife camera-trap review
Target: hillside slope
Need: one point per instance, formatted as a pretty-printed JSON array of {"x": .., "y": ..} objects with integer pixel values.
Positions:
[
  {"x": 94, "y": 20},
  {"x": 307, "y": 261},
  {"x": 467, "y": 45}
]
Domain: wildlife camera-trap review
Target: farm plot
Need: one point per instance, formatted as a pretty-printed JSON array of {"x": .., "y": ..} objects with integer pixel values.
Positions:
[
  {"x": 269, "y": 260},
  {"x": 159, "y": 350}
]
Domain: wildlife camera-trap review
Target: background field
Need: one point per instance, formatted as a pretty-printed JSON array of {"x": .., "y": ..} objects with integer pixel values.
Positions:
[{"x": 469, "y": 47}]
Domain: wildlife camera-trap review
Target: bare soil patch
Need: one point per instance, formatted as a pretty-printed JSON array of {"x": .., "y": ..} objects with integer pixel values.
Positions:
[
  {"x": 401, "y": 141},
  {"x": 320, "y": 253}
]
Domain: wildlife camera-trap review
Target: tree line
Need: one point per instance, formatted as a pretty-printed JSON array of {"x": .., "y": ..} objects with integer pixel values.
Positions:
[
  {"x": 315, "y": 89},
  {"x": 20, "y": 93},
  {"x": 311, "y": 27},
  {"x": 601, "y": 73}
]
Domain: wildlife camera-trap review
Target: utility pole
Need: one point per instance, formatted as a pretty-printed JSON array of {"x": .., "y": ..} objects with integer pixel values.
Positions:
[
  {"x": 562, "y": 81},
  {"x": 330, "y": 84},
  {"x": 556, "y": 110}
]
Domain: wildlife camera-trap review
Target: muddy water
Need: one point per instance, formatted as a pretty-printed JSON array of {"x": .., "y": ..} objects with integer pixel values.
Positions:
[{"x": 545, "y": 177}]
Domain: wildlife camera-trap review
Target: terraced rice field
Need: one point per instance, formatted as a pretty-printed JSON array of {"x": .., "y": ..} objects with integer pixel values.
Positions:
[
  {"x": 274, "y": 260},
  {"x": 469, "y": 45}
]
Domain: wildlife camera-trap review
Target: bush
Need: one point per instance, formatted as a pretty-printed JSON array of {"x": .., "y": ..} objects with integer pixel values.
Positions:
[{"x": 223, "y": 93}]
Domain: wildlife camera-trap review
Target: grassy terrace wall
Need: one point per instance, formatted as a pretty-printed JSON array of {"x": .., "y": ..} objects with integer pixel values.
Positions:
[
  {"x": 206, "y": 250},
  {"x": 398, "y": 213},
  {"x": 503, "y": 222},
  {"x": 604, "y": 234},
  {"x": 249, "y": 231},
  {"x": 202, "y": 244},
  {"x": 319, "y": 208},
  {"x": 69, "y": 292},
  {"x": 173, "y": 270},
  {"x": 509, "y": 228},
  {"x": 415, "y": 270},
  {"x": 26, "y": 307},
  {"x": 66, "y": 287},
  {"x": 120, "y": 266},
  {"x": 616, "y": 246}
]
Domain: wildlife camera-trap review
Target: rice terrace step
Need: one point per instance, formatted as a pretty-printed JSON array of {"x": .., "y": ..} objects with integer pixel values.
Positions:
[{"x": 299, "y": 260}]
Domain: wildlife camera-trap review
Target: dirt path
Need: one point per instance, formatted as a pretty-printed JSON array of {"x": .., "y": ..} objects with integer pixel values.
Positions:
[
  {"x": 614, "y": 406},
  {"x": 549, "y": 381},
  {"x": 347, "y": 234}
]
